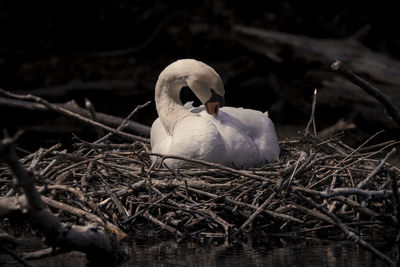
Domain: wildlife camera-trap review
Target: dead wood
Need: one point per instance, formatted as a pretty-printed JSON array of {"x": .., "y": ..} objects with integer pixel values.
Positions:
[
  {"x": 112, "y": 121},
  {"x": 349, "y": 234},
  {"x": 127, "y": 190},
  {"x": 378, "y": 67},
  {"x": 98, "y": 245},
  {"x": 74, "y": 115},
  {"x": 337, "y": 93},
  {"x": 370, "y": 89}
]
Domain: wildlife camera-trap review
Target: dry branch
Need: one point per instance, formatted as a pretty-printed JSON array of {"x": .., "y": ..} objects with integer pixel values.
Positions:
[
  {"x": 370, "y": 89},
  {"x": 349, "y": 234},
  {"x": 359, "y": 58},
  {"x": 208, "y": 200},
  {"x": 98, "y": 245},
  {"x": 103, "y": 118},
  {"x": 74, "y": 115}
]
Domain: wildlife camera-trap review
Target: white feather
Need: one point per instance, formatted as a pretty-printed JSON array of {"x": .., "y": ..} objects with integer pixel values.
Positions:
[{"x": 235, "y": 137}]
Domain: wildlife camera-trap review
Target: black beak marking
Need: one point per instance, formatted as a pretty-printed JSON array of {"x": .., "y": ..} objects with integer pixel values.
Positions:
[{"x": 216, "y": 98}]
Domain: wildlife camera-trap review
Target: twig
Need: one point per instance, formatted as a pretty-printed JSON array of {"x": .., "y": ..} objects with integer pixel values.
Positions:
[
  {"x": 124, "y": 123},
  {"x": 329, "y": 174},
  {"x": 371, "y": 194},
  {"x": 314, "y": 213},
  {"x": 340, "y": 125},
  {"x": 90, "y": 107},
  {"x": 349, "y": 234},
  {"x": 246, "y": 205},
  {"x": 364, "y": 182},
  {"x": 312, "y": 118},
  {"x": 170, "y": 229},
  {"x": 370, "y": 89},
  {"x": 117, "y": 203},
  {"x": 210, "y": 200},
  {"x": 110, "y": 120},
  {"x": 89, "y": 239},
  {"x": 386, "y": 218},
  {"x": 217, "y": 219},
  {"x": 254, "y": 215},
  {"x": 213, "y": 165},
  {"x": 71, "y": 114}
]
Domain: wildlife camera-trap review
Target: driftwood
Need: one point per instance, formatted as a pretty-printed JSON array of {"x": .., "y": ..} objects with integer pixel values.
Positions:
[{"x": 362, "y": 60}]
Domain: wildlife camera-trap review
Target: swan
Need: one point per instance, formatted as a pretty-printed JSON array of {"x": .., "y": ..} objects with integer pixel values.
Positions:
[{"x": 234, "y": 137}]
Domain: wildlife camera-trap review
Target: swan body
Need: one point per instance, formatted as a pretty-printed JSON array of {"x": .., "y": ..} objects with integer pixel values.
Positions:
[{"x": 230, "y": 136}]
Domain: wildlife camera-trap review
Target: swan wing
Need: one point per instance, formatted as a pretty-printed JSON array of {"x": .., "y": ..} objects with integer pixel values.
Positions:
[
  {"x": 249, "y": 136},
  {"x": 193, "y": 137},
  {"x": 236, "y": 137}
]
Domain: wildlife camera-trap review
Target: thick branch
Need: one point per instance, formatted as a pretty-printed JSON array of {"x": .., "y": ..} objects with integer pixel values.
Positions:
[
  {"x": 106, "y": 119},
  {"x": 370, "y": 89},
  {"x": 98, "y": 245},
  {"x": 74, "y": 115}
]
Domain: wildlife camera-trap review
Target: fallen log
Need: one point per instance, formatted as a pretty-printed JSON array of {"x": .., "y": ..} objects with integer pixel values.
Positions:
[
  {"x": 339, "y": 98},
  {"x": 376, "y": 66}
]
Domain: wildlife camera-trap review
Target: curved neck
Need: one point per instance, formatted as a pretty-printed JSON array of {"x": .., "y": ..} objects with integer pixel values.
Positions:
[{"x": 168, "y": 104}]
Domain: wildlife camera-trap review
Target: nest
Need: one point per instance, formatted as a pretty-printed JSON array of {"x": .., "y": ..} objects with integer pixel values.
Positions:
[{"x": 316, "y": 187}]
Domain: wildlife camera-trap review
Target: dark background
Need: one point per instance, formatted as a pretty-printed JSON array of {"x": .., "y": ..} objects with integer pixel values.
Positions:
[{"x": 114, "y": 50}]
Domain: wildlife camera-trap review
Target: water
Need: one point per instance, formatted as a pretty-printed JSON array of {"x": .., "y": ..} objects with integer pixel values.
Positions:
[
  {"x": 305, "y": 253},
  {"x": 275, "y": 252}
]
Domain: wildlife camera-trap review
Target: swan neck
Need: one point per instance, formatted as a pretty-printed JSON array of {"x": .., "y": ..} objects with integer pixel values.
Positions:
[{"x": 168, "y": 104}]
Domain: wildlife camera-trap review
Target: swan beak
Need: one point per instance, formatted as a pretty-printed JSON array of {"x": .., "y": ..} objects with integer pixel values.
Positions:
[{"x": 212, "y": 107}]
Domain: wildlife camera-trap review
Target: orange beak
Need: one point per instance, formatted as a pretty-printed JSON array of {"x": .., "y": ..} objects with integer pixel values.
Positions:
[{"x": 212, "y": 107}]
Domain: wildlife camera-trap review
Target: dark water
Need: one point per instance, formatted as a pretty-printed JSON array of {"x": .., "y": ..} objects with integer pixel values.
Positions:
[{"x": 309, "y": 252}]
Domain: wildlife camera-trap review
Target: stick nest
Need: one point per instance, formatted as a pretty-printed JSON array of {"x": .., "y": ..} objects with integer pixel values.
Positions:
[{"x": 316, "y": 187}]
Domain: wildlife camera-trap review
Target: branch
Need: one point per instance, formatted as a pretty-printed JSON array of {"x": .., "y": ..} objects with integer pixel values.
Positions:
[
  {"x": 99, "y": 246},
  {"x": 258, "y": 211},
  {"x": 107, "y": 119},
  {"x": 370, "y": 89},
  {"x": 213, "y": 165},
  {"x": 93, "y": 115},
  {"x": 346, "y": 191},
  {"x": 364, "y": 182},
  {"x": 76, "y": 116},
  {"x": 349, "y": 234},
  {"x": 125, "y": 122},
  {"x": 312, "y": 117}
]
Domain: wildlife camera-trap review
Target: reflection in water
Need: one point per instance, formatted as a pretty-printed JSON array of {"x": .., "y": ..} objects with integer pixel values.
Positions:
[
  {"x": 277, "y": 252},
  {"x": 304, "y": 253}
]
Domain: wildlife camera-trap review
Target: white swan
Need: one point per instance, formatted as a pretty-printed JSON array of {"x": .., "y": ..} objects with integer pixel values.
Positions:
[{"x": 230, "y": 136}]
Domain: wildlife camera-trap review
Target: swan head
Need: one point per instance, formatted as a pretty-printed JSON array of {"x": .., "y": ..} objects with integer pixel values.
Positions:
[
  {"x": 206, "y": 84},
  {"x": 202, "y": 79}
]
